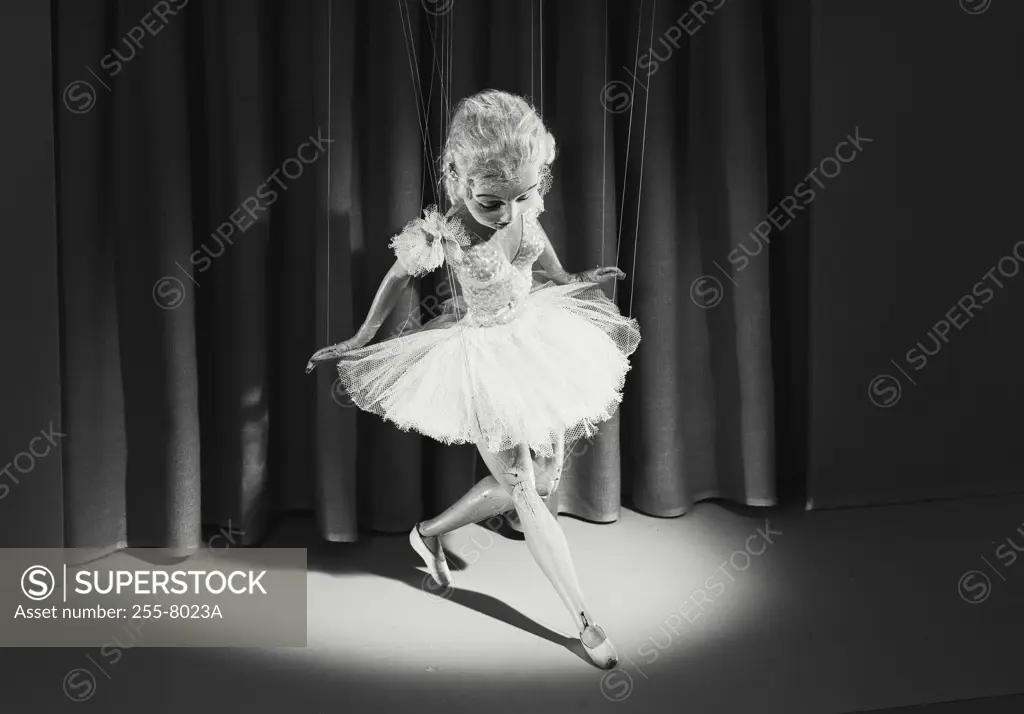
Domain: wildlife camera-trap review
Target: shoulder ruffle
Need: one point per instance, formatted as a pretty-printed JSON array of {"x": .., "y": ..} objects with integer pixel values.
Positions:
[{"x": 420, "y": 246}]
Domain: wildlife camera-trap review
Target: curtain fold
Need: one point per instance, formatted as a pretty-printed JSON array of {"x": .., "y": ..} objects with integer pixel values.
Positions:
[{"x": 225, "y": 208}]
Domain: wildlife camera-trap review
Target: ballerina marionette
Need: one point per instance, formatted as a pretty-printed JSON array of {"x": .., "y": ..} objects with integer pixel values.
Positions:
[{"x": 515, "y": 366}]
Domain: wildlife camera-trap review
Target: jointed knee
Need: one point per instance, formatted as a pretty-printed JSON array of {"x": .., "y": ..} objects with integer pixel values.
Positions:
[
  {"x": 525, "y": 496},
  {"x": 525, "y": 483}
]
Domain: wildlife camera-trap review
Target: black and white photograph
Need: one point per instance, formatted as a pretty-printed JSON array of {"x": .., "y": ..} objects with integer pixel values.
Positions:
[{"x": 505, "y": 356}]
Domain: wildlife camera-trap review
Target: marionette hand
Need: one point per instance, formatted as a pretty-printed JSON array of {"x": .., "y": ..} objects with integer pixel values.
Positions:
[
  {"x": 597, "y": 275},
  {"x": 332, "y": 352}
]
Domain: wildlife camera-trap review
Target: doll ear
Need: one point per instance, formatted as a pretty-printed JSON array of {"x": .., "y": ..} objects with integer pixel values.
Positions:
[
  {"x": 466, "y": 185},
  {"x": 461, "y": 184},
  {"x": 450, "y": 178}
]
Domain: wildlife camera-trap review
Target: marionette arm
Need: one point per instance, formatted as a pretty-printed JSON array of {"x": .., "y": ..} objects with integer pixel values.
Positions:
[
  {"x": 391, "y": 287},
  {"x": 418, "y": 250}
]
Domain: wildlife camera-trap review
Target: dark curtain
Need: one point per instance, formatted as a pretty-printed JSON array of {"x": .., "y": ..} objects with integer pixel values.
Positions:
[
  {"x": 917, "y": 356},
  {"x": 225, "y": 202}
]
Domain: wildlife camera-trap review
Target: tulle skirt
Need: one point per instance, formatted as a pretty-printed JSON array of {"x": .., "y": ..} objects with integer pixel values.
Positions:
[{"x": 556, "y": 370}]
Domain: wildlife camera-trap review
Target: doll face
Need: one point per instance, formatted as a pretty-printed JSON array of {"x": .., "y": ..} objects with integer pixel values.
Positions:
[{"x": 496, "y": 206}]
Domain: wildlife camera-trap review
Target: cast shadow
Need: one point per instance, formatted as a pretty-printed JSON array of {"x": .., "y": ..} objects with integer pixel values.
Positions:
[{"x": 390, "y": 556}]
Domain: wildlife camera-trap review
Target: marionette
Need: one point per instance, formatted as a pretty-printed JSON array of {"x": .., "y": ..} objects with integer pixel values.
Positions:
[{"x": 515, "y": 365}]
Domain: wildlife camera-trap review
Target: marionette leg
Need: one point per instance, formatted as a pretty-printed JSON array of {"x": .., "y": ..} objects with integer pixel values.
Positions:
[
  {"x": 548, "y": 471},
  {"x": 551, "y": 474},
  {"x": 486, "y": 499},
  {"x": 547, "y": 544}
]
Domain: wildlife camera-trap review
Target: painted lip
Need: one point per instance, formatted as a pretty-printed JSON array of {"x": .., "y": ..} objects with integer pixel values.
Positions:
[{"x": 499, "y": 225}]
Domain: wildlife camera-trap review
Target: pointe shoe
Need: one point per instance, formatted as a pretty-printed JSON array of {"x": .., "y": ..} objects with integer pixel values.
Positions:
[
  {"x": 437, "y": 564},
  {"x": 598, "y": 647}
]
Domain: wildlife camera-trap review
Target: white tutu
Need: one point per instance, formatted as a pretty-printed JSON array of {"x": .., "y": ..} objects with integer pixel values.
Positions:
[{"x": 556, "y": 370}]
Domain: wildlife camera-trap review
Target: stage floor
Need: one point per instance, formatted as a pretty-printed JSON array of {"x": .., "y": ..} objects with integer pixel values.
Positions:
[{"x": 725, "y": 609}]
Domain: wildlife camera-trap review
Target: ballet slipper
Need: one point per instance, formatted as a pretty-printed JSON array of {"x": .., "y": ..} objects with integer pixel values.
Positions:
[
  {"x": 597, "y": 645},
  {"x": 437, "y": 564}
]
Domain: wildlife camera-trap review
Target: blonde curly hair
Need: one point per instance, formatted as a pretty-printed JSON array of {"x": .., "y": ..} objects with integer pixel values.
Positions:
[{"x": 493, "y": 137}]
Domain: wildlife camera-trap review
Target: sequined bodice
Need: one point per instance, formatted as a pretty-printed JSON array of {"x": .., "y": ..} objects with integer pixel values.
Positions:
[{"x": 495, "y": 287}]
